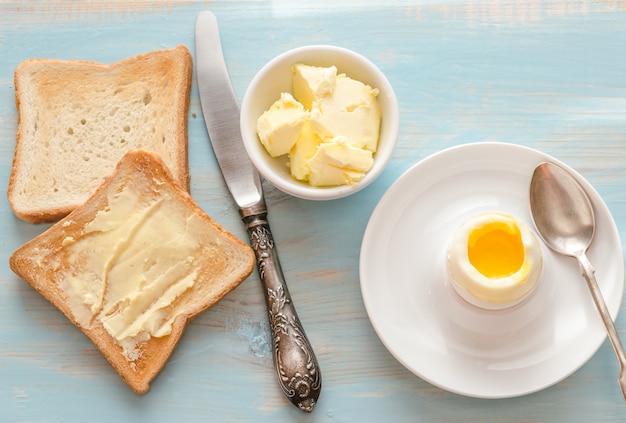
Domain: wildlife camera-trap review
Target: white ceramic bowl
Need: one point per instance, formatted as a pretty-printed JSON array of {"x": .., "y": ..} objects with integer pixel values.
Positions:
[{"x": 276, "y": 77}]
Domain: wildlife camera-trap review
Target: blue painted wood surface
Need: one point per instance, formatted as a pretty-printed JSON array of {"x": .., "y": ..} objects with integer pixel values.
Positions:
[{"x": 549, "y": 75}]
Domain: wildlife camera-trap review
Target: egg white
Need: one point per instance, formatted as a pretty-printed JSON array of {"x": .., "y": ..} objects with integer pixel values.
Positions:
[{"x": 493, "y": 292}]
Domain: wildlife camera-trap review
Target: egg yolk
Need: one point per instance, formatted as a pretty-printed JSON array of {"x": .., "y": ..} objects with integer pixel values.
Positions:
[{"x": 496, "y": 250}]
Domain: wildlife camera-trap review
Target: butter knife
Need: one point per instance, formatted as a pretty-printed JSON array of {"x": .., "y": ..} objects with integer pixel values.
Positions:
[{"x": 295, "y": 362}]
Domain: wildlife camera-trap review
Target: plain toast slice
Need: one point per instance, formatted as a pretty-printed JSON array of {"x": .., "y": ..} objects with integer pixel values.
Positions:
[
  {"x": 134, "y": 264},
  {"x": 76, "y": 119}
]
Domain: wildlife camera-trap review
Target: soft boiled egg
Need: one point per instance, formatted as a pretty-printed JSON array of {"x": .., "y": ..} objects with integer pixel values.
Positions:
[{"x": 494, "y": 260}]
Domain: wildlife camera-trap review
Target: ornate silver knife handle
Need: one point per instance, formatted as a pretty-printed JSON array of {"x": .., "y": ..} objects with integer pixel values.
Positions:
[{"x": 295, "y": 362}]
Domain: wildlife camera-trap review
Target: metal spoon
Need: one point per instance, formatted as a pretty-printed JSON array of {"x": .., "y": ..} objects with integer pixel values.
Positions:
[{"x": 563, "y": 216}]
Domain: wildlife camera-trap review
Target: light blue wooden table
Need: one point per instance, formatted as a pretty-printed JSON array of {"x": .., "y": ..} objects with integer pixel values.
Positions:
[{"x": 548, "y": 75}]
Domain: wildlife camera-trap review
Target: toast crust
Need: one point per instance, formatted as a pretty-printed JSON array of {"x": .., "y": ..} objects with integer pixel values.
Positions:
[
  {"x": 223, "y": 260},
  {"x": 77, "y": 118}
]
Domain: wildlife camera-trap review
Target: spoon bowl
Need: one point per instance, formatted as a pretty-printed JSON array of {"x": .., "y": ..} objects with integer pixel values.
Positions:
[
  {"x": 564, "y": 218},
  {"x": 561, "y": 210}
]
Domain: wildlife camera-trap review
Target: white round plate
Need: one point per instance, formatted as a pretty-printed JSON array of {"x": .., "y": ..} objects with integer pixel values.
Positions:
[{"x": 433, "y": 332}]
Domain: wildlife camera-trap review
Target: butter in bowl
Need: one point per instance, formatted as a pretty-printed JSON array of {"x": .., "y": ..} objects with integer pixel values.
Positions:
[{"x": 320, "y": 122}]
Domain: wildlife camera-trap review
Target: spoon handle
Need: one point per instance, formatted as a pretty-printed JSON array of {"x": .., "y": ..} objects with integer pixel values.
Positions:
[{"x": 589, "y": 275}]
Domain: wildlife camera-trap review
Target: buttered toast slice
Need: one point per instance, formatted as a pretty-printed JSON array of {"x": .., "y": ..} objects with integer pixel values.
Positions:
[
  {"x": 76, "y": 119},
  {"x": 134, "y": 264}
]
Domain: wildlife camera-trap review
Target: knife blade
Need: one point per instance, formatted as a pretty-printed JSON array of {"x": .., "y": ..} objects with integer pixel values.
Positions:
[{"x": 295, "y": 362}]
